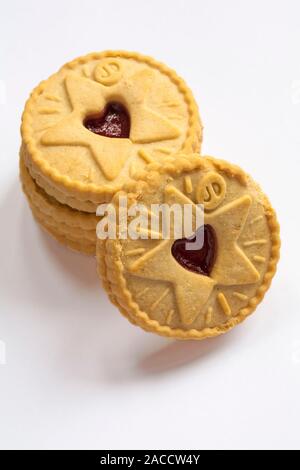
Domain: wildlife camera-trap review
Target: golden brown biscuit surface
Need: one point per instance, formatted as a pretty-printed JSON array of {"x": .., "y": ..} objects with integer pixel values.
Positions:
[{"x": 81, "y": 168}]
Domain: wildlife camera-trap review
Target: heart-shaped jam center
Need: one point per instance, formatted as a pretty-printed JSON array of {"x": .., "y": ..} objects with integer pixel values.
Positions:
[
  {"x": 113, "y": 121},
  {"x": 200, "y": 261}
]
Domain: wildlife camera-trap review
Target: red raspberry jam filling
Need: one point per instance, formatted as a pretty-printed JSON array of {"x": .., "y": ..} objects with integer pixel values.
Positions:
[
  {"x": 200, "y": 261},
  {"x": 113, "y": 121}
]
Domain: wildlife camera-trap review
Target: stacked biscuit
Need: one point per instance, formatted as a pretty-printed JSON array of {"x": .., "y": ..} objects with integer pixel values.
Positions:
[{"x": 90, "y": 127}]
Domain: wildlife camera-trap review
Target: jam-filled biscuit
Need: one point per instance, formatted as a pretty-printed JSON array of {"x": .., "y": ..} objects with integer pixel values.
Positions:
[
  {"x": 71, "y": 227},
  {"x": 100, "y": 119},
  {"x": 193, "y": 292}
]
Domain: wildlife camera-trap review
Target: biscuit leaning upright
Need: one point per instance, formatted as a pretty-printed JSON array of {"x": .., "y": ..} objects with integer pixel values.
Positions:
[{"x": 185, "y": 292}]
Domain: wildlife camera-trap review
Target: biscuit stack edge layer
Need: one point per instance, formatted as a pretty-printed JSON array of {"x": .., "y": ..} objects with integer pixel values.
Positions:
[
  {"x": 69, "y": 168},
  {"x": 71, "y": 227}
]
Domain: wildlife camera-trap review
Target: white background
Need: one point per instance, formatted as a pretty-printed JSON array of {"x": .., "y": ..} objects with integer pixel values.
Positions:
[{"x": 77, "y": 374}]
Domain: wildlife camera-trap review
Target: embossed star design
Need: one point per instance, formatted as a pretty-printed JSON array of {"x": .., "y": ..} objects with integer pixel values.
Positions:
[
  {"x": 88, "y": 97},
  {"x": 232, "y": 266}
]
